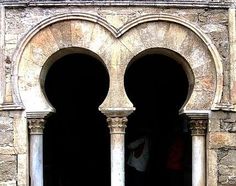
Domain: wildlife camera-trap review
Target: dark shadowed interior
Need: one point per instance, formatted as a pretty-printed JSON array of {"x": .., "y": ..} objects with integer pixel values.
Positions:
[
  {"x": 76, "y": 137},
  {"x": 158, "y": 86}
]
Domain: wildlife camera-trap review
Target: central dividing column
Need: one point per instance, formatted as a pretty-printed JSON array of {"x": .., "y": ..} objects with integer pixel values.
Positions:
[
  {"x": 198, "y": 126},
  {"x": 117, "y": 127}
]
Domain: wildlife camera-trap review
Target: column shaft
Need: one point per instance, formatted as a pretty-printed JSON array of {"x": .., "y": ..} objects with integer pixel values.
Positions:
[
  {"x": 198, "y": 161},
  {"x": 198, "y": 129},
  {"x": 117, "y": 160},
  {"x": 36, "y": 160},
  {"x": 36, "y": 151}
]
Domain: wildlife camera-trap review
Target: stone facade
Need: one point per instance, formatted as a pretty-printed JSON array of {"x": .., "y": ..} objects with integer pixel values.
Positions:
[{"x": 200, "y": 35}]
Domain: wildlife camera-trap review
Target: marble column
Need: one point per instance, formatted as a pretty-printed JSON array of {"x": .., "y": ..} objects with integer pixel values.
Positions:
[
  {"x": 198, "y": 132},
  {"x": 117, "y": 127},
  {"x": 36, "y": 127}
]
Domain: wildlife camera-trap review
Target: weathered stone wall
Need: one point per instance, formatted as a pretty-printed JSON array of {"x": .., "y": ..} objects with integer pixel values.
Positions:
[
  {"x": 8, "y": 162},
  {"x": 227, "y": 167},
  {"x": 13, "y": 148},
  {"x": 18, "y": 20},
  {"x": 222, "y": 140},
  {"x": 8, "y": 171}
]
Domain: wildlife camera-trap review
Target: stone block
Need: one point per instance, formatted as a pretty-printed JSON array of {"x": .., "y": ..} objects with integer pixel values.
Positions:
[
  {"x": 222, "y": 139},
  {"x": 8, "y": 183},
  {"x": 6, "y": 138},
  {"x": 227, "y": 168},
  {"x": 7, "y": 168}
]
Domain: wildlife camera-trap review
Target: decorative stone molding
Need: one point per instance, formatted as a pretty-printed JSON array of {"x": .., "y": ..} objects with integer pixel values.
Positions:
[
  {"x": 36, "y": 126},
  {"x": 117, "y": 112},
  {"x": 38, "y": 115},
  {"x": 170, "y": 4},
  {"x": 2, "y": 48},
  {"x": 232, "y": 55},
  {"x": 117, "y": 125}
]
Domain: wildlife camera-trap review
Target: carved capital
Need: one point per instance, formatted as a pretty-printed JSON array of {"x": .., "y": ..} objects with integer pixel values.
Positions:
[
  {"x": 198, "y": 127},
  {"x": 117, "y": 125},
  {"x": 36, "y": 126}
]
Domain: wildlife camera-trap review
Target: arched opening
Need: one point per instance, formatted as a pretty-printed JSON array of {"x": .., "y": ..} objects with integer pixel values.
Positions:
[
  {"x": 158, "y": 86},
  {"x": 76, "y": 138}
]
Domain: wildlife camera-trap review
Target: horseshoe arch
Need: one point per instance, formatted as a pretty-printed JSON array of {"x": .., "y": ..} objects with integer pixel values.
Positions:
[{"x": 78, "y": 32}]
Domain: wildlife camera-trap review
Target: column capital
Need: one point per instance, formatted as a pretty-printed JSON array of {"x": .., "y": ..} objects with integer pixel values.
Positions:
[
  {"x": 117, "y": 125},
  {"x": 198, "y": 126},
  {"x": 36, "y": 125},
  {"x": 198, "y": 122}
]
